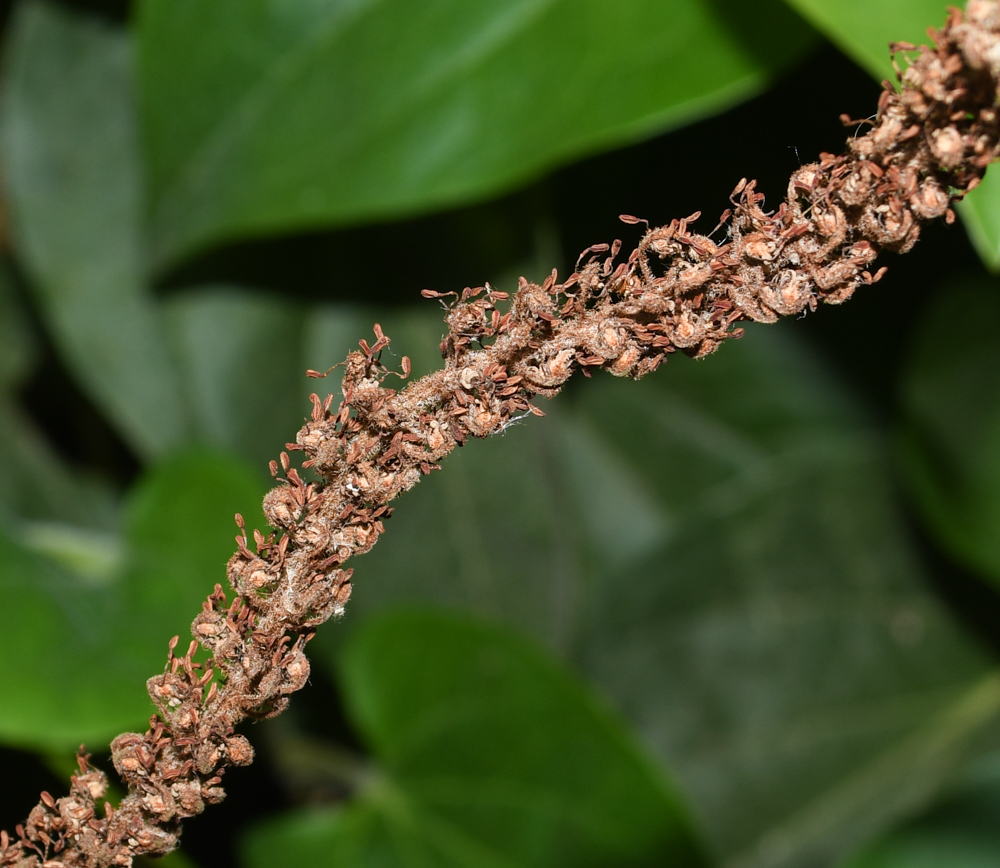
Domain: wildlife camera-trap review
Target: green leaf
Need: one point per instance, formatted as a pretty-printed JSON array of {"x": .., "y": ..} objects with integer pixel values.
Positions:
[
  {"x": 863, "y": 29},
  {"x": 75, "y": 652},
  {"x": 263, "y": 117},
  {"x": 959, "y": 832},
  {"x": 718, "y": 548},
  {"x": 73, "y": 183},
  {"x": 980, "y": 212},
  {"x": 950, "y": 435},
  {"x": 787, "y": 615},
  {"x": 491, "y": 755}
]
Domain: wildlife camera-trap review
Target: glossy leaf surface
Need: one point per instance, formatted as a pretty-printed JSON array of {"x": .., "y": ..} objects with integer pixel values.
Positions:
[
  {"x": 73, "y": 182},
  {"x": 950, "y": 436},
  {"x": 717, "y": 547},
  {"x": 78, "y": 646},
  {"x": 262, "y": 117},
  {"x": 863, "y": 30},
  {"x": 490, "y": 754}
]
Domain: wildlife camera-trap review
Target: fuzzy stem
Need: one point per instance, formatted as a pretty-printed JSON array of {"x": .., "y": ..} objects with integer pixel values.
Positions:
[{"x": 928, "y": 146}]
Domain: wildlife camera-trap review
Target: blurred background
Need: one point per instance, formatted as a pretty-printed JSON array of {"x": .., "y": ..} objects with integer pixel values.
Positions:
[{"x": 743, "y": 613}]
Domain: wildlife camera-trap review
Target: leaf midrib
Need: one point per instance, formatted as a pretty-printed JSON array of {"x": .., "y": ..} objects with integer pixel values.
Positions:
[{"x": 973, "y": 710}]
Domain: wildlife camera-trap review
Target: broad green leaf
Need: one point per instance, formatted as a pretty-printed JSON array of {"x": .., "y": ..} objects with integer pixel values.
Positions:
[
  {"x": 59, "y": 656},
  {"x": 179, "y": 527},
  {"x": 980, "y": 212},
  {"x": 718, "y": 548},
  {"x": 950, "y": 436},
  {"x": 263, "y": 116},
  {"x": 76, "y": 652},
  {"x": 959, "y": 832},
  {"x": 490, "y": 754},
  {"x": 863, "y": 30},
  {"x": 786, "y": 616},
  {"x": 73, "y": 184}
]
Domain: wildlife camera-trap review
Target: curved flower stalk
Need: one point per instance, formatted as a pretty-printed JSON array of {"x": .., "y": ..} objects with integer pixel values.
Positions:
[{"x": 929, "y": 144}]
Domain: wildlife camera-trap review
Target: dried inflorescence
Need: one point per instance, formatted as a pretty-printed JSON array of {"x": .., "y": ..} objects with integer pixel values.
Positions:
[{"x": 928, "y": 145}]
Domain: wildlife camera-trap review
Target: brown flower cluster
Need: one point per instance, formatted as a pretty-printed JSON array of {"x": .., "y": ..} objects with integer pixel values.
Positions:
[{"x": 929, "y": 144}]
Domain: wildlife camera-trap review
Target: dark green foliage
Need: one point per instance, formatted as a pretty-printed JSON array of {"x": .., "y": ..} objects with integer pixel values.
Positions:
[
  {"x": 950, "y": 437},
  {"x": 489, "y": 754},
  {"x": 743, "y": 646}
]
